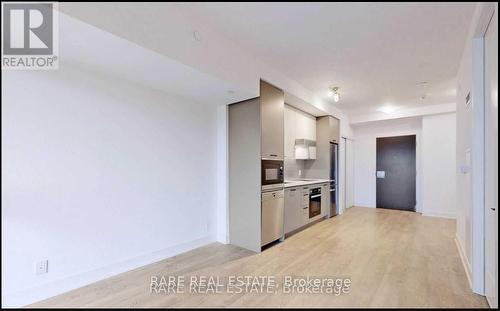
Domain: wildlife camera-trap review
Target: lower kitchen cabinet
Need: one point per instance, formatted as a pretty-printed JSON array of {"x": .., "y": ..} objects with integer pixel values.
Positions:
[
  {"x": 297, "y": 205},
  {"x": 325, "y": 199},
  {"x": 293, "y": 209},
  {"x": 305, "y": 205}
]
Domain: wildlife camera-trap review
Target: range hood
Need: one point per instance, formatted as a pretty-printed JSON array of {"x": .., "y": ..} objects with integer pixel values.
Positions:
[{"x": 305, "y": 149}]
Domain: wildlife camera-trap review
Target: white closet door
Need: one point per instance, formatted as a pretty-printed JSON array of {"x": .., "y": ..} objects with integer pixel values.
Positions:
[
  {"x": 491, "y": 161},
  {"x": 349, "y": 175}
]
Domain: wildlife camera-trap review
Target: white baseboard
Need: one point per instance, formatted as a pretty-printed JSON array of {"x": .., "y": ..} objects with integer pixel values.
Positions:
[
  {"x": 440, "y": 215},
  {"x": 363, "y": 205},
  {"x": 223, "y": 239},
  {"x": 465, "y": 261},
  {"x": 32, "y": 295}
]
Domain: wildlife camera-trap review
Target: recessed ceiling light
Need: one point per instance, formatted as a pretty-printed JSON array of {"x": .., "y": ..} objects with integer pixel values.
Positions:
[
  {"x": 334, "y": 93},
  {"x": 387, "y": 109},
  {"x": 423, "y": 84}
]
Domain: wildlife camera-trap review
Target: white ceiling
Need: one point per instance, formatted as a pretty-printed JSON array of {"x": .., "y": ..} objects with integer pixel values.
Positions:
[
  {"x": 377, "y": 53},
  {"x": 112, "y": 55}
]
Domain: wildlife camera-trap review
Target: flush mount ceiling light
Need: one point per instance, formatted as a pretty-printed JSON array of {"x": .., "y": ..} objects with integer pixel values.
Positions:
[
  {"x": 387, "y": 109},
  {"x": 334, "y": 93}
]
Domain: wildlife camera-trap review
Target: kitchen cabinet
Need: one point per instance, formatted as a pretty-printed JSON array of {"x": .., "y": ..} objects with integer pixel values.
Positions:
[
  {"x": 305, "y": 125},
  {"x": 325, "y": 199},
  {"x": 296, "y": 208},
  {"x": 334, "y": 129},
  {"x": 305, "y": 205},
  {"x": 299, "y": 126},
  {"x": 290, "y": 132},
  {"x": 256, "y": 128},
  {"x": 297, "y": 205},
  {"x": 310, "y": 128},
  {"x": 272, "y": 102},
  {"x": 293, "y": 209}
]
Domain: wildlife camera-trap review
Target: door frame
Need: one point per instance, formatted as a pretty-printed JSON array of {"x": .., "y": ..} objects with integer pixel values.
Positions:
[
  {"x": 478, "y": 149},
  {"x": 417, "y": 168},
  {"x": 417, "y": 133},
  {"x": 344, "y": 171}
]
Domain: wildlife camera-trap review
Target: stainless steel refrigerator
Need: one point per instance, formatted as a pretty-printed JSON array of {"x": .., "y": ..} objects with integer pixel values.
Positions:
[{"x": 334, "y": 160}]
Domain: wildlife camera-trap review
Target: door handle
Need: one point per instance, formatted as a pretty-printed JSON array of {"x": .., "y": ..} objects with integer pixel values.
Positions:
[{"x": 493, "y": 209}]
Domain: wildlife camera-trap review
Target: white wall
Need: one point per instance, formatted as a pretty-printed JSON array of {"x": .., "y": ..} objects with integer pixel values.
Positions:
[
  {"x": 469, "y": 150},
  {"x": 435, "y": 157},
  {"x": 349, "y": 180},
  {"x": 463, "y": 147},
  {"x": 365, "y": 155},
  {"x": 99, "y": 176},
  {"x": 222, "y": 211},
  {"x": 439, "y": 165}
]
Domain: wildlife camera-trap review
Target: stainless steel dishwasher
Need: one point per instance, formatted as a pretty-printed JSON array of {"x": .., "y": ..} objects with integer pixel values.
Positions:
[{"x": 272, "y": 216}]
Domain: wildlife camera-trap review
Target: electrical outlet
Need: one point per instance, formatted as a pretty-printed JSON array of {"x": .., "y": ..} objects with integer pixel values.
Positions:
[{"x": 42, "y": 267}]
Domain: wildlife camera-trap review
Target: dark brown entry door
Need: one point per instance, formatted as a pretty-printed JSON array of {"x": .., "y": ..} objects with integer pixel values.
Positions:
[{"x": 396, "y": 172}]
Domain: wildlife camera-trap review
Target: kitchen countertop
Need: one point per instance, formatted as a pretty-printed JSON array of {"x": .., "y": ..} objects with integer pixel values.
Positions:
[{"x": 304, "y": 182}]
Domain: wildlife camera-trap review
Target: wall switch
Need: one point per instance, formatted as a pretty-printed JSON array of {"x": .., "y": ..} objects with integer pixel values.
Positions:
[{"x": 42, "y": 267}]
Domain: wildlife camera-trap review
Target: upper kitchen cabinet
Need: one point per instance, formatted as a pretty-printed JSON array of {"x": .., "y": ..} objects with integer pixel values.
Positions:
[
  {"x": 329, "y": 129},
  {"x": 272, "y": 101},
  {"x": 290, "y": 132},
  {"x": 300, "y": 134},
  {"x": 305, "y": 125},
  {"x": 335, "y": 128}
]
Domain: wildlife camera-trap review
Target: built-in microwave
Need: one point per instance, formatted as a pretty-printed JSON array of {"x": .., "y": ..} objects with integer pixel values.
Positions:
[{"x": 272, "y": 172}]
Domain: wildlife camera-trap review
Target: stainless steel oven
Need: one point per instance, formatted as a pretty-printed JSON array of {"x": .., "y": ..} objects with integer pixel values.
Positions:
[
  {"x": 272, "y": 173},
  {"x": 314, "y": 202}
]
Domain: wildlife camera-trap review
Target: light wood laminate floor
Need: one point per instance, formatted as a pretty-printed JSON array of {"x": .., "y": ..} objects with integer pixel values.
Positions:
[{"x": 393, "y": 259}]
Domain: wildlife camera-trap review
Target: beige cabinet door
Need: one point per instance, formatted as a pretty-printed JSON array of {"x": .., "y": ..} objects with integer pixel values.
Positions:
[
  {"x": 272, "y": 105},
  {"x": 335, "y": 129},
  {"x": 305, "y": 205},
  {"x": 293, "y": 209},
  {"x": 325, "y": 199},
  {"x": 290, "y": 132},
  {"x": 311, "y": 128}
]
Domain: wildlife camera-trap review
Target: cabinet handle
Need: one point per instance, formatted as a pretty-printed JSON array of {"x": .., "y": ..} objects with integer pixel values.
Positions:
[
  {"x": 273, "y": 155},
  {"x": 293, "y": 190}
]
